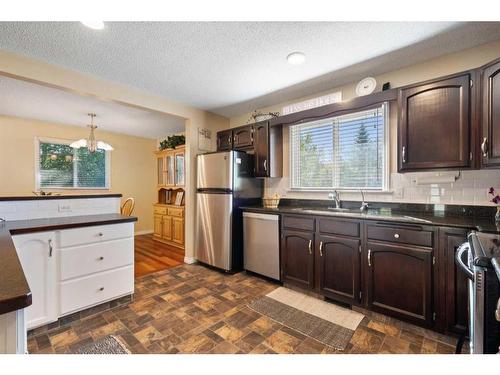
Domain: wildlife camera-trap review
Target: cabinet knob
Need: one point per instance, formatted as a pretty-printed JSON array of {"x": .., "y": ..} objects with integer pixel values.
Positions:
[
  {"x": 101, "y": 288},
  {"x": 396, "y": 235},
  {"x": 100, "y": 234},
  {"x": 101, "y": 258}
]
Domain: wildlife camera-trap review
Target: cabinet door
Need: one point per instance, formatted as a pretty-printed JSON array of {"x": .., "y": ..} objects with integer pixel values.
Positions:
[
  {"x": 170, "y": 170},
  {"x": 399, "y": 281},
  {"x": 167, "y": 228},
  {"x": 297, "y": 262},
  {"x": 339, "y": 268},
  {"x": 158, "y": 226},
  {"x": 243, "y": 137},
  {"x": 178, "y": 230},
  {"x": 434, "y": 125},
  {"x": 160, "y": 170},
  {"x": 225, "y": 140},
  {"x": 261, "y": 149},
  {"x": 490, "y": 89},
  {"x": 455, "y": 282},
  {"x": 38, "y": 259},
  {"x": 179, "y": 169}
]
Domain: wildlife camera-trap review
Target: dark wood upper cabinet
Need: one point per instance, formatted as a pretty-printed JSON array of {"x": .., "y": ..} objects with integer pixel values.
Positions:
[
  {"x": 490, "y": 114},
  {"x": 434, "y": 125},
  {"x": 243, "y": 137},
  {"x": 339, "y": 268},
  {"x": 225, "y": 140},
  {"x": 453, "y": 292},
  {"x": 297, "y": 258},
  {"x": 399, "y": 281},
  {"x": 261, "y": 149}
]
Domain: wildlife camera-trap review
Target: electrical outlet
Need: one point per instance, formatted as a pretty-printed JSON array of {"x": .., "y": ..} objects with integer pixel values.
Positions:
[{"x": 64, "y": 208}]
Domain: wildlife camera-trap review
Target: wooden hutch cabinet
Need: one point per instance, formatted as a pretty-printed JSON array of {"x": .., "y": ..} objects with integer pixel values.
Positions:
[{"x": 168, "y": 216}]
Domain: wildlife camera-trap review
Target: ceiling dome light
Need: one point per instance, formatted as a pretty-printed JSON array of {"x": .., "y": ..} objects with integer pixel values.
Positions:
[
  {"x": 296, "y": 58},
  {"x": 96, "y": 25}
]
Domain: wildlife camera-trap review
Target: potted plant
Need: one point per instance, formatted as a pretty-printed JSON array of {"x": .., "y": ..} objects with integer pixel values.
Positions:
[
  {"x": 496, "y": 200},
  {"x": 172, "y": 141}
]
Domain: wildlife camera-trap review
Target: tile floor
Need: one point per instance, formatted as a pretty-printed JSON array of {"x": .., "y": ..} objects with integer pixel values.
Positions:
[{"x": 193, "y": 309}]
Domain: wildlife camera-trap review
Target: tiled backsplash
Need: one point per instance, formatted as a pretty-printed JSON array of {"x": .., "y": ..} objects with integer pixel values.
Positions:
[
  {"x": 471, "y": 188},
  {"x": 41, "y": 209}
]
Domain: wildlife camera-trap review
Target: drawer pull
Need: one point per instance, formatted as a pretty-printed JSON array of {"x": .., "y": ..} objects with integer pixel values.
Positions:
[
  {"x": 369, "y": 258},
  {"x": 321, "y": 248},
  {"x": 396, "y": 235},
  {"x": 101, "y": 258},
  {"x": 310, "y": 246},
  {"x": 100, "y": 234},
  {"x": 101, "y": 289}
]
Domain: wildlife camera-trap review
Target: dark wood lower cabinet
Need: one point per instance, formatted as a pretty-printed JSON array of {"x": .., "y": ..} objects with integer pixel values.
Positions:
[
  {"x": 399, "y": 281},
  {"x": 400, "y": 270},
  {"x": 339, "y": 268},
  {"x": 297, "y": 258},
  {"x": 453, "y": 296}
]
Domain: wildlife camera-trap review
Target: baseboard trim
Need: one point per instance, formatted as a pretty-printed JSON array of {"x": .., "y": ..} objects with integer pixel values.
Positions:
[
  {"x": 189, "y": 260},
  {"x": 141, "y": 232}
]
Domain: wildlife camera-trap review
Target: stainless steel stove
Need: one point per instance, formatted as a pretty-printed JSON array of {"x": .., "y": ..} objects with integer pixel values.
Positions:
[{"x": 475, "y": 260}]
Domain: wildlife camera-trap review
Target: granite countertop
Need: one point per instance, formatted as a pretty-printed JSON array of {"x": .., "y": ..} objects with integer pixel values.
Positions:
[
  {"x": 481, "y": 224},
  {"x": 15, "y": 292}
]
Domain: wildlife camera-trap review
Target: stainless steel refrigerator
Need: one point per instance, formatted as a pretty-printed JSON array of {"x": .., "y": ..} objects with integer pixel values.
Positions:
[{"x": 225, "y": 183}]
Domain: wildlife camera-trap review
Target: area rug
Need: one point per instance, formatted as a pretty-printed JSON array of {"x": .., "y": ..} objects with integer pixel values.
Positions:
[
  {"x": 325, "y": 322},
  {"x": 106, "y": 345}
]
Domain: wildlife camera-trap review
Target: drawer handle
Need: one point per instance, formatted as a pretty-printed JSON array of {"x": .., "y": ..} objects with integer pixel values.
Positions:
[
  {"x": 51, "y": 248},
  {"x": 101, "y": 288},
  {"x": 310, "y": 246},
  {"x": 396, "y": 235},
  {"x": 321, "y": 248},
  {"x": 369, "y": 258},
  {"x": 101, "y": 258},
  {"x": 484, "y": 147}
]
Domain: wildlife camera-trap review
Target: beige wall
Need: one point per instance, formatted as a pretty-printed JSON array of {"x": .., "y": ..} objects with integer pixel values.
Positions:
[
  {"x": 26, "y": 68},
  {"x": 132, "y": 162},
  {"x": 470, "y": 188}
]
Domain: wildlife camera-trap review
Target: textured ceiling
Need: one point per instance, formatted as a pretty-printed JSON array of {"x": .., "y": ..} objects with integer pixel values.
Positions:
[
  {"x": 231, "y": 68},
  {"x": 33, "y": 101}
]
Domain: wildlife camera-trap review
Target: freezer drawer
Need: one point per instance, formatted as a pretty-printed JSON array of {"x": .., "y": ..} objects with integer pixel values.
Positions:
[
  {"x": 261, "y": 244},
  {"x": 214, "y": 229}
]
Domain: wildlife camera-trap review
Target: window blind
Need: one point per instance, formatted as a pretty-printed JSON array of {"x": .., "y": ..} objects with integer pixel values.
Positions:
[
  {"x": 61, "y": 166},
  {"x": 340, "y": 152}
]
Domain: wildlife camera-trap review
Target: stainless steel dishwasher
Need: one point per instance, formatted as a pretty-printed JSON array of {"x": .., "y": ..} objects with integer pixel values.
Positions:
[{"x": 261, "y": 250}]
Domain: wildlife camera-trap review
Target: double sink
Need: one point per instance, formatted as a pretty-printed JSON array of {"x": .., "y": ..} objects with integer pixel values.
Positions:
[{"x": 370, "y": 213}]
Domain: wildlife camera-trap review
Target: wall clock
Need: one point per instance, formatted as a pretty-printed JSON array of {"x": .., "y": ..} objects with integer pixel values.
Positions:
[{"x": 366, "y": 86}]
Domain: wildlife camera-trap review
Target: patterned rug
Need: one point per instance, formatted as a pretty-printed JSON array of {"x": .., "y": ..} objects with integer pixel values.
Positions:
[
  {"x": 325, "y": 322},
  {"x": 106, "y": 345}
]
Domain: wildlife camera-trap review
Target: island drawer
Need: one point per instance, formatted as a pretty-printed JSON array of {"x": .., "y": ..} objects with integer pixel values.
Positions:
[
  {"x": 298, "y": 222},
  {"x": 84, "y": 260},
  {"x": 98, "y": 233},
  {"x": 411, "y": 234},
  {"x": 91, "y": 290},
  {"x": 340, "y": 227}
]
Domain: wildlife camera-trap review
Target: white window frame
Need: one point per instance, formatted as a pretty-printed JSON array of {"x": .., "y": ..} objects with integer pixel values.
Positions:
[
  {"x": 386, "y": 160},
  {"x": 63, "y": 141}
]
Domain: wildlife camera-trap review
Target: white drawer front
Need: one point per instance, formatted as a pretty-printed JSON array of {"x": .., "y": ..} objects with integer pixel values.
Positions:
[
  {"x": 90, "y": 290},
  {"x": 98, "y": 233},
  {"x": 87, "y": 259}
]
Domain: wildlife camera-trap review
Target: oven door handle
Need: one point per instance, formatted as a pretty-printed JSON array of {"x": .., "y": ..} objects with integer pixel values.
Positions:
[{"x": 459, "y": 260}]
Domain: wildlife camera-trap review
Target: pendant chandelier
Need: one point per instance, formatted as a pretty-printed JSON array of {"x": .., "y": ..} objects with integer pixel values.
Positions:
[{"x": 91, "y": 143}]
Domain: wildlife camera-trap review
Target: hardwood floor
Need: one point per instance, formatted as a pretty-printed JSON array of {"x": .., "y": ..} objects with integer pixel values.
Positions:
[{"x": 153, "y": 256}]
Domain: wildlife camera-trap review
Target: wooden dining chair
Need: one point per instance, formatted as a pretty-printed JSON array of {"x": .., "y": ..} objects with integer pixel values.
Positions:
[{"x": 127, "y": 207}]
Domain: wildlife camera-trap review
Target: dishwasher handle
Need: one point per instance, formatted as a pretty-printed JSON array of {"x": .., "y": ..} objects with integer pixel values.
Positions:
[{"x": 253, "y": 215}]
